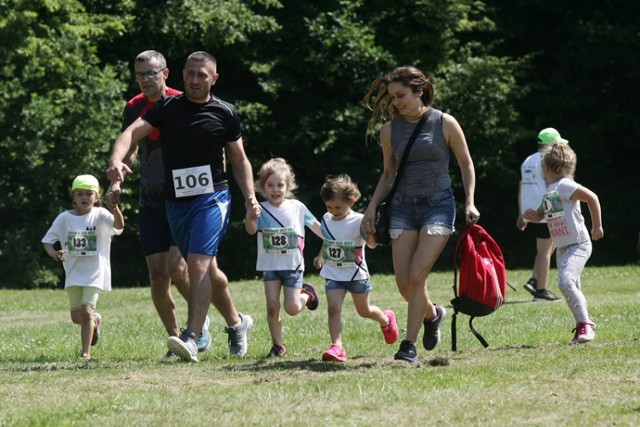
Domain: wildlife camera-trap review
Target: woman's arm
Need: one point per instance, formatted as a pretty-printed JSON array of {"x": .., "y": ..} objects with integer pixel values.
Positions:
[
  {"x": 458, "y": 143},
  {"x": 386, "y": 179}
]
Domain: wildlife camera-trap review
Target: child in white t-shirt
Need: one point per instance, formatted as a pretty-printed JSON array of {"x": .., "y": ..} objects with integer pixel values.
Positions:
[
  {"x": 344, "y": 266},
  {"x": 280, "y": 226},
  {"x": 84, "y": 234},
  {"x": 561, "y": 208}
]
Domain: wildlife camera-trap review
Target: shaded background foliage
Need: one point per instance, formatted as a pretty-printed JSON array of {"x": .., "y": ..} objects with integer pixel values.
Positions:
[{"x": 297, "y": 70}]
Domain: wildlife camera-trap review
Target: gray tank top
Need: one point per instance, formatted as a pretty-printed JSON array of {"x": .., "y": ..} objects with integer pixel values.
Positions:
[{"x": 427, "y": 167}]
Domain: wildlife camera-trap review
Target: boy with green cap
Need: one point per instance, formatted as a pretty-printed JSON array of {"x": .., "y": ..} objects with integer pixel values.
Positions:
[
  {"x": 84, "y": 234},
  {"x": 532, "y": 189}
]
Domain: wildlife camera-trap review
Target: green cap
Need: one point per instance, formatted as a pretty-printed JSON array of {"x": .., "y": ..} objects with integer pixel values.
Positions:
[
  {"x": 549, "y": 136},
  {"x": 86, "y": 182}
]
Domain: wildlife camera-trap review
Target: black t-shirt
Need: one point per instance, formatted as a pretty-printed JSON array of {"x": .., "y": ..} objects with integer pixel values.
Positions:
[{"x": 193, "y": 135}]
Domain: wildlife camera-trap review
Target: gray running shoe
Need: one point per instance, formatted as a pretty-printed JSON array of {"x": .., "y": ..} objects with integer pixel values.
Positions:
[
  {"x": 407, "y": 352},
  {"x": 185, "y": 346},
  {"x": 169, "y": 357},
  {"x": 431, "y": 336},
  {"x": 544, "y": 295},
  {"x": 204, "y": 342},
  {"x": 238, "y": 345}
]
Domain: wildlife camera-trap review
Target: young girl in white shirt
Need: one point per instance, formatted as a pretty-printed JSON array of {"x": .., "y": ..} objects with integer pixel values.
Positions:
[
  {"x": 344, "y": 266},
  {"x": 561, "y": 208},
  {"x": 84, "y": 234},
  {"x": 280, "y": 226}
]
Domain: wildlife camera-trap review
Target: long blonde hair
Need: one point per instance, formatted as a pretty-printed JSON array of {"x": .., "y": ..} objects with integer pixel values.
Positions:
[{"x": 378, "y": 100}]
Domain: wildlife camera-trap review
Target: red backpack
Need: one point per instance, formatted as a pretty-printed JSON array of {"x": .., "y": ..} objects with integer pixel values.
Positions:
[{"x": 483, "y": 278}]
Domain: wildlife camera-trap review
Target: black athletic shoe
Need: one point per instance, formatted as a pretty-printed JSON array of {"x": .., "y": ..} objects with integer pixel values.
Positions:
[
  {"x": 544, "y": 295},
  {"x": 431, "y": 336},
  {"x": 531, "y": 286},
  {"x": 407, "y": 352}
]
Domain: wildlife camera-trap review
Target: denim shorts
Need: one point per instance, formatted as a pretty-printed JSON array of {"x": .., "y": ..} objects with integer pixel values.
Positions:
[
  {"x": 355, "y": 286},
  {"x": 436, "y": 211},
  {"x": 289, "y": 278}
]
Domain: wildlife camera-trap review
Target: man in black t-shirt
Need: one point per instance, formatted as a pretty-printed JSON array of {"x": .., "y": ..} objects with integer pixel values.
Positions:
[
  {"x": 198, "y": 130},
  {"x": 164, "y": 262}
]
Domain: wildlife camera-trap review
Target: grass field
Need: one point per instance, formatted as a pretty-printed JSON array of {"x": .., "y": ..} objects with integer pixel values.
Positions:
[{"x": 529, "y": 375}]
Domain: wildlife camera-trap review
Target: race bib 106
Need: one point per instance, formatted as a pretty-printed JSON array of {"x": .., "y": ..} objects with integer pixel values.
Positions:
[{"x": 192, "y": 181}]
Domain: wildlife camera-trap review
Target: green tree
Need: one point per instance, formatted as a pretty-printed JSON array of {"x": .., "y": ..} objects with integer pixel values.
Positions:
[
  {"x": 582, "y": 65},
  {"x": 56, "y": 120},
  {"x": 296, "y": 70}
]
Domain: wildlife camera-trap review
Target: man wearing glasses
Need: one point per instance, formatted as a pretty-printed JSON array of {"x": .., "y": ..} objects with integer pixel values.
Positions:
[
  {"x": 164, "y": 262},
  {"x": 198, "y": 129}
]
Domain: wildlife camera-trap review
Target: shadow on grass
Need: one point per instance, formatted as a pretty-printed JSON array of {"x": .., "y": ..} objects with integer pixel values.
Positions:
[
  {"x": 354, "y": 364},
  {"x": 313, "y": 365}
]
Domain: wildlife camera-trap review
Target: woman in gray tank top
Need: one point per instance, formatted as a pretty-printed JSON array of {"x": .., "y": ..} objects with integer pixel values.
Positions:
[{"x": 423, "y": 207}]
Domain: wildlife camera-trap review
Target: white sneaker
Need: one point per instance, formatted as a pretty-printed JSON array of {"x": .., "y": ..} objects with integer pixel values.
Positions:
[
  {"x": 184, "y": 347},
  {"x": 584, "y": 332},
  {"x": 238, "y": 345}
]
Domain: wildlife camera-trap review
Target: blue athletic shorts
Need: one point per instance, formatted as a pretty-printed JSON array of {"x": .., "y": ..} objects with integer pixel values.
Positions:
[
  {"x": 436, "y": 211},
  {"x": 355, "y": 286},
  {"x": 155, "y": 232},
  {"x": 198, "y": 226},
  {"x": 289, "y": 278}
]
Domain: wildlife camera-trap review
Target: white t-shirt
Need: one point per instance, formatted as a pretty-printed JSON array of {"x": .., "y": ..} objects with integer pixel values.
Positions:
[
  {"x": 532, "y": 185},
  {"x": 564, "y": 217},
  {"x": 343, "y": 248},
  {"x": 87, "y": 240},
  {"x": 281, "y": 235}
]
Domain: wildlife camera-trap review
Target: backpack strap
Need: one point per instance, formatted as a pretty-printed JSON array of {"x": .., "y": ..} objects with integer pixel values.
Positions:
[
  {"x": 272, "y": 215},
  {"x": 326, "y": 227},
  {"x": 454, "y": 301},
  {"x": 484, "y": 343},
  {"x": 454, "y": 335}
]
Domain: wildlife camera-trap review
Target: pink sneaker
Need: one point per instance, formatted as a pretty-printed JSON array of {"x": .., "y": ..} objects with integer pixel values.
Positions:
[
  {"x": 390, "y": 331},
  {"x": 584, "y": 332},
  {"x": 335, "y": 353}
]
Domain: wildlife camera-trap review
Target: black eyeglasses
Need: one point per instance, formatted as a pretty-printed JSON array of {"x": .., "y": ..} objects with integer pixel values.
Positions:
[{"x": 148, "y": 75}]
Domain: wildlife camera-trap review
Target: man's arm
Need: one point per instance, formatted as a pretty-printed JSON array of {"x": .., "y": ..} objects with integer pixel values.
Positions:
[
  {"x": 243, "y": 174},
  {"x": 126, "y": 144}
]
